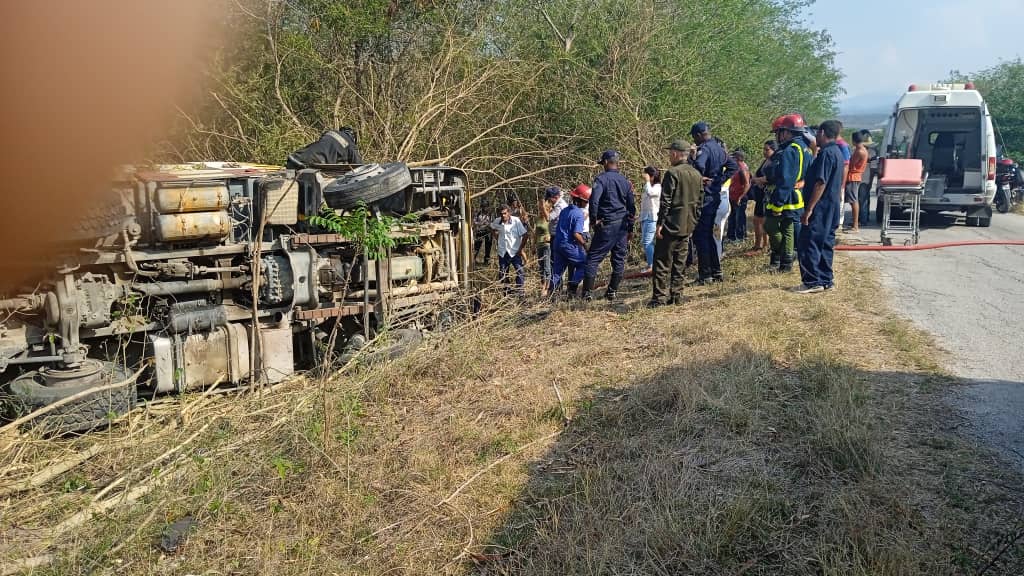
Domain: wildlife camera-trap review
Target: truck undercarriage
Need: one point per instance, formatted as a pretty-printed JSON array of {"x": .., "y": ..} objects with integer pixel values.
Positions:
[{"x": 218, "y": 274}]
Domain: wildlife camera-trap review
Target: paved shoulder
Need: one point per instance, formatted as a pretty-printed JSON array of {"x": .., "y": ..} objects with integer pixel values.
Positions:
[{"x": 972, "y": 300}]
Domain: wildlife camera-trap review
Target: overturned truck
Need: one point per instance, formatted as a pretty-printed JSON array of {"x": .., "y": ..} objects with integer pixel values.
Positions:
[{"x": 215, "y": 274}]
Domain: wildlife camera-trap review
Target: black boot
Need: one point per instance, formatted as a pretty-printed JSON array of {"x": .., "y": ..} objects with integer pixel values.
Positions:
[
  {"x": 571, "y": 291},
  {"x": 786, "y": 262},
  {"x": 588, "y": 287},
  {"x": 773, "y": 263},
  {"x": 613, "y": 287}
]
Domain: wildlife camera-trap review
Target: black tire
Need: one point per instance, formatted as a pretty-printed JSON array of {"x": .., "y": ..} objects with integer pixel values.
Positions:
[
  {"x": 984, "y": 222},
  {"x": 89, "y": 412},
  {"x": 367, "y": 184},
  {"x": 1002, "y": 203}
]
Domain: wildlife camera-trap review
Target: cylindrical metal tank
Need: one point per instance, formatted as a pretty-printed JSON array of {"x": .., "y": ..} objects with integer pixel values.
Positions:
[
  {"x": 195, "y": 226},
  {"x": 191, "y": 199}
]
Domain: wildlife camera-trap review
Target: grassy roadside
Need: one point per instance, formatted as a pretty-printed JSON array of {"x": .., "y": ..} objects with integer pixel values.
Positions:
[{"x": 751, "y": 431}]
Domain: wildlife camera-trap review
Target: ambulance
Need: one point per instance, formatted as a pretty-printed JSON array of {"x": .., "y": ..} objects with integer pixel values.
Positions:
[{"x": 949, "y": 128}]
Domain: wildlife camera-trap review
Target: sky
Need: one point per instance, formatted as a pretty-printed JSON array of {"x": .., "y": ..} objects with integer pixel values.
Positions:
[{"x": 885, "y": 45}]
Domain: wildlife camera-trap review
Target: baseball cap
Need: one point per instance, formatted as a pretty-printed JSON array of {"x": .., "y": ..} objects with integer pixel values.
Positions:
[
  {"x": 699, "y": 128},
  {"x": 679, "y": 145},
  {"x": 552, "y": 192},
  {"x": 609, "y": 156}
]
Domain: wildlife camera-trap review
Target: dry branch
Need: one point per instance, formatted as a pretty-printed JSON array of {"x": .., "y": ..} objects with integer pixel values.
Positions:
[{"x": 52, "y": 471}]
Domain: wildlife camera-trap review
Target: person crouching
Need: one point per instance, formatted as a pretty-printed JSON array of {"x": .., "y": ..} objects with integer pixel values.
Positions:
[{"x": 569, "y": 242}]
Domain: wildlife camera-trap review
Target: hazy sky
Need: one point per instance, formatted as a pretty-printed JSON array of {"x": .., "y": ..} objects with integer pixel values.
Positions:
[{"x": 885, "y": 45}]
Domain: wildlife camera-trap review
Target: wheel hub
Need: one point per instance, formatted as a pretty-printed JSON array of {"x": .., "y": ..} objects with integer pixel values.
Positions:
[{"x": 89, "y": 371}]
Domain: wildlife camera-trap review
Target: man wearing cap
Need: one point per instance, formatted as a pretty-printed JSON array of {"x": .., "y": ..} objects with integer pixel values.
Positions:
[
  {"x": 715, "y": 167},
  {"x": 678, "y": 209},
  {"x": 612, "y": 212},
  {"x": 550, "y": 208},
  {"x": 821, "y": 216}
]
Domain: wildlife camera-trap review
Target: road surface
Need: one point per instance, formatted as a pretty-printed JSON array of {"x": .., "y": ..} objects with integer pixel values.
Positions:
[{"x": 972, "y": 300}]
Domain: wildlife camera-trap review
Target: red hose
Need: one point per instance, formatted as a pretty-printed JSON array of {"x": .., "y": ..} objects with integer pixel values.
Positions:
[
  {"x": 876, "y": 248},
  {"x": 873, "y": 248}
]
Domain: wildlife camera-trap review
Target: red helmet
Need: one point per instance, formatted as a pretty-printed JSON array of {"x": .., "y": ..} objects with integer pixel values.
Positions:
[
  {"x": 582, "y": 192},
  {"x": 788, "y": 122}
]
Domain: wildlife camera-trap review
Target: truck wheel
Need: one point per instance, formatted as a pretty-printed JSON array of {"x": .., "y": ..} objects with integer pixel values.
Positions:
[
  {"x": 39, "y": 388},
  {"x": 984, "y": 222},
  {"x": 367, "y": 184}
]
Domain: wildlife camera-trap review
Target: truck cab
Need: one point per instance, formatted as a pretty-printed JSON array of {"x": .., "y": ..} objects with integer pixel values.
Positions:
[{"x": 949, "y": 128}]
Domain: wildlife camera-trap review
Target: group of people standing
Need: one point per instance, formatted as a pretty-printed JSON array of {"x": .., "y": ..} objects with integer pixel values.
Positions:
[{"x": 689, "y": 208}]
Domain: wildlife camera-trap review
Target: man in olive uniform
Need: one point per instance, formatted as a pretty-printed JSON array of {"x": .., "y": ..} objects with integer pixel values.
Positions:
[{"x": 682, "y": 191}]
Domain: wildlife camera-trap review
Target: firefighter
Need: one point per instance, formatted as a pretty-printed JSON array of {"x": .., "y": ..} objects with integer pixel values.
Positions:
[
  {"x": 785, "y": 204},
  {"x": 612, "y": 213},
  {"x": 569, "y": 242},
  {"x": 715, "y": 167}
]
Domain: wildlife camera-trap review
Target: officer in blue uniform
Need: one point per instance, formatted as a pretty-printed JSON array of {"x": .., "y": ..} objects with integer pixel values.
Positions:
[
  {"x": 612, "y": 213},
  {"x": 715, "y": 166},
  {"x": 821, "y": 216},
  {"x": 569, "y": 242}
]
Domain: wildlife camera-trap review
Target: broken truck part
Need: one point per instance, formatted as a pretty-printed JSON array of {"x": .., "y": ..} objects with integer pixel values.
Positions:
[{"x": 213, "y": 274}]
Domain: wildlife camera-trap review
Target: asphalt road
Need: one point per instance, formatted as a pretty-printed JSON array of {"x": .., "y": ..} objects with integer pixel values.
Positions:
[{"x": 972, "y": 300}]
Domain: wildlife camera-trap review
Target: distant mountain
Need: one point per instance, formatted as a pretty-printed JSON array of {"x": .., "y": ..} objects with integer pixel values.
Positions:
[
  {"x": 869, "y": 103},
  {"x": 869, "y": 110},
  {"x": 862, "y": 121}
]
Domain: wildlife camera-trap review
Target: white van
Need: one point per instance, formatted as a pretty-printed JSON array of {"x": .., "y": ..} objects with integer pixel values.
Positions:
[{"x": 949, "y": 128}]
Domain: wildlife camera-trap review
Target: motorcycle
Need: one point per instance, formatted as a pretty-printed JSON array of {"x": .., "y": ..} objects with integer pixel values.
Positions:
[{"x": 1008, "y": 191}]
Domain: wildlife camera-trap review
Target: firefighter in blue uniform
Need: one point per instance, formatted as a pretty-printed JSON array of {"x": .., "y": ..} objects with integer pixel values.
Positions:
[
  {"x": 612, "y": 213},
  {"x": 785, "y": 204},
  {"x": 569, "y": 243},
  {"x": 715, "y": 167}
]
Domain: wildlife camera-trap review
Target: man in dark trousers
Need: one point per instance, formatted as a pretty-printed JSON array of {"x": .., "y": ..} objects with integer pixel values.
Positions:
[
  {"x": 612, "y": 212},
  {"x": 334, "y": 147},
  {"x": 681, "y": 196},
  {"x": 821, "y": 215},
  {"x": 715, "y": 167}
]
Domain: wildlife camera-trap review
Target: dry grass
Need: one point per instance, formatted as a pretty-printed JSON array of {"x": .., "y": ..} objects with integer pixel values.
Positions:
[{"x": 751, "y": 431}]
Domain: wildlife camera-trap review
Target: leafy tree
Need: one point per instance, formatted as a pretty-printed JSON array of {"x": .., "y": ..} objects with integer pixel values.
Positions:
[
  {"x": 520, "y": 93},
  {"x": 1001, "y": 87}
]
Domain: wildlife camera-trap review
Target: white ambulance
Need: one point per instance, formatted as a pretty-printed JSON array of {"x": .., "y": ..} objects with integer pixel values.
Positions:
[{"x": 949, "y": 128}]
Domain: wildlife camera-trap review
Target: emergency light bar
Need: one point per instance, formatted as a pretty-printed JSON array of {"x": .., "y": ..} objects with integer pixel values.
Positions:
[{"x": 942, "y": 86}]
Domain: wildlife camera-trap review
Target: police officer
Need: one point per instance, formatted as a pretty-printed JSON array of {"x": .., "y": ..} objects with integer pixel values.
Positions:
[
  {"x": 334, "y": 147},
  {"x": 612, "y": 212},
  {"x": 785, "y": 204},
  {"x": 715, "y": 167},
  {"x": 682, "y": 193}
]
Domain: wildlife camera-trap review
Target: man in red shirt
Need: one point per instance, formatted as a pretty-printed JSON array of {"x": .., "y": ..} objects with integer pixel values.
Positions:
[
  {"x": 851, "y": 189},
  {"x": 738, "y": 188}
]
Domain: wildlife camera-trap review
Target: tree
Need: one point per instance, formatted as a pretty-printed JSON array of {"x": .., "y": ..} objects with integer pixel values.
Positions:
[
  {"x": 1001, "y": 87},
  {"x": 520, "y": 93}
]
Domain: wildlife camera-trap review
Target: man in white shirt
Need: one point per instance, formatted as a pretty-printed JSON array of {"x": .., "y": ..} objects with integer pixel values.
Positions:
[{"x": 510, "y": 232}]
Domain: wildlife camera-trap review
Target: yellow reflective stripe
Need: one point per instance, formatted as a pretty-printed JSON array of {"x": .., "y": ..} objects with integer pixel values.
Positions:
[
  {"x": 800, "y": 171},
  {"x": 799, "y": 177}
]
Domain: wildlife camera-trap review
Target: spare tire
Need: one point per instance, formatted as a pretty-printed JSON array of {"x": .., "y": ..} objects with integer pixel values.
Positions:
[
  {"x": 43, "y": 387},
  {"x": 367, "y": 184}
]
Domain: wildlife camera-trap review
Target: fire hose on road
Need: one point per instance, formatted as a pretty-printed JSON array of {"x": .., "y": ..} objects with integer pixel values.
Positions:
[
  {"x": 934, "y": 246},
  {"x": 879, "y": 248}
]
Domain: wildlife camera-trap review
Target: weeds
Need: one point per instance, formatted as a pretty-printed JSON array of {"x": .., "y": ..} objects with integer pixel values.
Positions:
[{"x": 703, "y": 439}]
